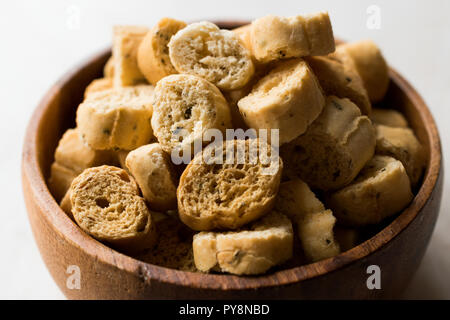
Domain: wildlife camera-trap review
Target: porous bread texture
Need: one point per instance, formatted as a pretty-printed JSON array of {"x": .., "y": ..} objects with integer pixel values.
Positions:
[
  {"x": 153, "y": 54},
  {"x": 108, "y": 69},
  {"x": 154, "y": 173},
  {"x": 117, "y": 118},
  {"x": 126, "y": 41},
  {"x": 402, "y": 144},
  {"x": 98, "y": 85},
  {"x": 228, "y": 195},
  {"x": 289, "y": 98},
  {"x": 72, "y": 153},
  {"x": 319, "y": 32},
  {"x": 388, "y": 117},
  {"x": 106, "y": 204},
  {"x": 314, "y": 223},
  {"x": 338, "y": 76},
  {"x": 72, "y": 156},
  {"x": 334, "y": 148},
  {"x": 173, "y": 248},
  {"x": 381, "y": 189},
  {"x": 253, "y": 250},
  {"x": 274, "y": 37},
  {"x": 184, "y": 108},
  {"x": 219, "y": 56},
  {"x": 371, "y": 66}
]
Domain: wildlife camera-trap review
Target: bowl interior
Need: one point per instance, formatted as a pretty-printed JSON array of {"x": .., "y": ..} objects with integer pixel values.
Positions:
[{"x": 57, "y": 113}]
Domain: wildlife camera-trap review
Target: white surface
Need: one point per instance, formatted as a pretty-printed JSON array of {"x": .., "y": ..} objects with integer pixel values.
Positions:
[{"x": 41, "y": 41}]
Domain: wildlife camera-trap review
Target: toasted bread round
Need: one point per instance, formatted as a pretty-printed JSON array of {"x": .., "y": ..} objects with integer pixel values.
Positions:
[
  {"x": 380, "y": 190},
  {"x": 218, "y": 56},
  {"x": 274, "y": 37},
  {"x": 106, "y": 204},
  {"x": 108, "y": 69},
  {"x": 388, "y": 117},
  {"x": 72, "y": 153},
  {"x": 153, "y": 54},
  {"x": 289, "y": 98},
  {"x": 126, "y": 41},
  {"x": 72, "y": 156},
  {"x": 402, "y": 144},
  {"x": 184, "y": 107},
  {"x": 116, "y": 118},
  {"x": 98, "y": 85},
  {"x": 230, "y": 188},
  {"x": 155, "y": 175},
  {"x": 334, "y": 148},
  {"x": 338, "y": 76},
  {"x": 233, "y": 96},
  {"x": 314, "y": 223},
  {"x": 317, "y": 236},
  {"x": 253, "y": 250},
  {"x": 371, "y": 66}
]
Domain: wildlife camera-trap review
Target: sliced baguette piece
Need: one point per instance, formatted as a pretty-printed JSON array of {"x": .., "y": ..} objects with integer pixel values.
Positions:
[
  {"x": 72, "y": 156},
  {"x": 314, "y": 223},
  {"x": 230, "y": 188},
  {"x": 254, "y": 250},
  {"x": 403, "y": 145},
  {"x": 108, "y": 69},
  {"x": 219, "y": 56},
  {"x": 72, "y": 153},
  {"x": 381, "y": 189},
  {"x": 106, "y": 204},
  {"x": 117, "y": 118},
  {"x": 338, "y": 76},
  {"x": 334, "y": 148},
  {"x": 185, "y": 107},
  {"x": 154, "y": 173},
  {"x": 388, "y": 117},
  {"x": 289, "y": 98},
  {"x": 316, "y": 233},
  {"x": 274, "y": 37},
  {"x": 234, "y": 96},
  {"x": 371, "y": 66},
  {"x": 98, "y": 85},
  {"x": 126, "y": 41},
  {"x": 153, "y": 54}
]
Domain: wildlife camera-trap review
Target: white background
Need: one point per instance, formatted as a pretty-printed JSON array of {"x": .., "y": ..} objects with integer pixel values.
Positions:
[{"x": 40, "y": 41}]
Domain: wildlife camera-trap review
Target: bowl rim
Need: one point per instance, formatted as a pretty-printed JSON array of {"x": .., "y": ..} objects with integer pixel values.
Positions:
[{"x": 68, "y": 230}]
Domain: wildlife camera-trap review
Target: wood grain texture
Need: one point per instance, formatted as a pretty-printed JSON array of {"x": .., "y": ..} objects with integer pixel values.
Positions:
[{"x": 108, "y": 274}]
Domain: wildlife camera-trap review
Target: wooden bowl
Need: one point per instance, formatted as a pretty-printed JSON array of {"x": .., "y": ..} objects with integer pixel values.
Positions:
[{"x": 107, "y": 274}]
